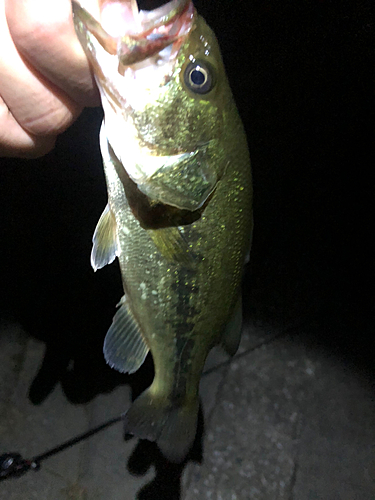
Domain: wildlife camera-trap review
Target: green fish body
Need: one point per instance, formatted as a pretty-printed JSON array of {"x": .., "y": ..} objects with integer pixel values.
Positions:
[{"x": 179, "y": 214}]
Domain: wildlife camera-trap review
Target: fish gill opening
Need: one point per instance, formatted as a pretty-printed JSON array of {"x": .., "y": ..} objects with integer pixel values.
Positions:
[{"x": 151, "y": 214}]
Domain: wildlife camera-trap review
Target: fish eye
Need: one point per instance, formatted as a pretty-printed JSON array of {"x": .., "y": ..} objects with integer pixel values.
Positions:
[{"x": 198, "y": 77}]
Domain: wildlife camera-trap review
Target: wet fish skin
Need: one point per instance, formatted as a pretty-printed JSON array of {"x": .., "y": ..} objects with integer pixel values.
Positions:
[{"x": 181, "y": 251}]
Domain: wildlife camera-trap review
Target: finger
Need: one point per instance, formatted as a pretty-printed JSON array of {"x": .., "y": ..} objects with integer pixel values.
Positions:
[
  {"x": 39, "y": 24},
  {"x": 37, "y": 105},
  {"x": 17, "y": 142}
]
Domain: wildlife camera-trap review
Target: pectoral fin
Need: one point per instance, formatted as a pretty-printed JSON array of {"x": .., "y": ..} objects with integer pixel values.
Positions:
[
  {"x": 104, "y": 247},
  {"x": 124, "y": 346},
  {"x": 232, "y": 333},
  {"x": 172, "y": 245}
]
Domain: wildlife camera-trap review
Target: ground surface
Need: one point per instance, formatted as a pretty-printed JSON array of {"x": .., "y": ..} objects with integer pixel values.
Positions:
[{"x": 282, "y": 420}]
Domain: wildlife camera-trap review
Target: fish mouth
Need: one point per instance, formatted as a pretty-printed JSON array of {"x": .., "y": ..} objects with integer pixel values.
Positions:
[{"x": 134, "y": 35}]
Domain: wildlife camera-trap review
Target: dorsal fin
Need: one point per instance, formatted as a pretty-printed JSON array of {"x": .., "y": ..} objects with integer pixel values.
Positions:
[
  {"x": 124, "y": 346},
  {"x": 232, "y": 334},
  {"x": 104, "y": 248}
]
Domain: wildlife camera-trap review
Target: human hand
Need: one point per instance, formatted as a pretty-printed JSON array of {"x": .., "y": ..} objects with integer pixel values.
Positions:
[{"x": 45, "y": 79}]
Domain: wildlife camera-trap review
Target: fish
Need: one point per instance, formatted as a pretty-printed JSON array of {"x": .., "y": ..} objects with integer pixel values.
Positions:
[{"x": 179, "y": 213}]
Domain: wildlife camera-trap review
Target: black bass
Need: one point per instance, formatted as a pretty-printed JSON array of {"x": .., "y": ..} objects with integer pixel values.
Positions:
[{"x": 179, "y": 213}]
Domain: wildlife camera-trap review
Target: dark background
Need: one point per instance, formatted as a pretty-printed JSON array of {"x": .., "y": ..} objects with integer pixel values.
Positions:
[{"x": 301, "y": 74}]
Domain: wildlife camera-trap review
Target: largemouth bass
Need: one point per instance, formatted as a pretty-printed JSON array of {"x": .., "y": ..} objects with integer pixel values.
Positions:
[{"x": 179, "y": 213}]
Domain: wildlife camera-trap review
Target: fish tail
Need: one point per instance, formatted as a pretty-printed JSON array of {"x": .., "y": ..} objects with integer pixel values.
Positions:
[{"x": 172, "y": 425}]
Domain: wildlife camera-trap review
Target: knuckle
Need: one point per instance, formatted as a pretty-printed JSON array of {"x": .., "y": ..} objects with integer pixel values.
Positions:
[{"x": 51, "y": 120}]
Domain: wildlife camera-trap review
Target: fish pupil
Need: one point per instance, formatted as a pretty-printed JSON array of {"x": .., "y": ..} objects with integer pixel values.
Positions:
[{"x": 198, "y": 77}]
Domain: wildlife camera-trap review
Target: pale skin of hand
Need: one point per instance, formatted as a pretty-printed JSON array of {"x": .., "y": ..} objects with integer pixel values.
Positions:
[{"x": 45, "y": 78}]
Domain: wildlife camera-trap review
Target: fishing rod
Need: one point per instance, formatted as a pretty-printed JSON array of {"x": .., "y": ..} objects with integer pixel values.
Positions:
[{"x": 14, "y": 465}]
